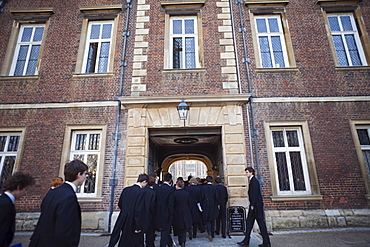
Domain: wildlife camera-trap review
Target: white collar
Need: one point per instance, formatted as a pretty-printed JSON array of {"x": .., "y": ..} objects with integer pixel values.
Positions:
[
  {"x": 74, "y": 187},
  {"x": 138, "y": 184},
  {"x": 10, "y": 195}
]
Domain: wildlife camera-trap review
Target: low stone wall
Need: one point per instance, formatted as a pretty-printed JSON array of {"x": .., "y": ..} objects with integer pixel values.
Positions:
[
  {"x": 331, "y": 218},
  {"x": 276, "y": 219}
]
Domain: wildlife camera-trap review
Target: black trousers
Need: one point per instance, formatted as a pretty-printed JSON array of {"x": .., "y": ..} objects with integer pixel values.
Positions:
[
  {"x": 221, "y": 223},
  {"x": 150, "y": 236},
  {"x": 181, "y": 234},
  {"x": 166, "y": 239},
  {"x": 210, "y": 224},
  {"x": 252, "y": 216}
]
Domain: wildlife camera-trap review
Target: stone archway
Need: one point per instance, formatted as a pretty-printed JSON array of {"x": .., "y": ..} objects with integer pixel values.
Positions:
[
  {"x": 173, "y": 158},
  {"x": 206, "y": 111}
]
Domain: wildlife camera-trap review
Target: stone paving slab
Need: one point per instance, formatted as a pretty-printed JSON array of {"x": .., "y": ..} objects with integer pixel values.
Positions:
[{"x": 340, "y": 237}]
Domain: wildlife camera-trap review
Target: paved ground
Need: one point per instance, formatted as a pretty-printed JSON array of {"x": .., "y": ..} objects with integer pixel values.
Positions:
[{"x": 344, "y": 237}]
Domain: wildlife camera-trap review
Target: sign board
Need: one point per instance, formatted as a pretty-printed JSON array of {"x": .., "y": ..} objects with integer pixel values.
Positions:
[{"x": 236, "y": 219}]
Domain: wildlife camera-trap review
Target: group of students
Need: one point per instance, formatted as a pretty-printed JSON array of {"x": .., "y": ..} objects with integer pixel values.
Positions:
[
  {"x": 183, "y": 208},
  {"x": 145, "y": 208}
]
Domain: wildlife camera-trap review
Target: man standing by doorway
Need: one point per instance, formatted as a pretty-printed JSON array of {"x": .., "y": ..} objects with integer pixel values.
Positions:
[
  {"x": 256, "y": 211},
  {"x": 224, "y": 197}
]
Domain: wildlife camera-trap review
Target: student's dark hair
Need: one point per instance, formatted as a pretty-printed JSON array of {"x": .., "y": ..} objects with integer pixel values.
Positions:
[
  {"x": 18, "y": 180},
  {"x": 209, "y": 179},
  {"x": 72, "y": 168},
  {"x": 218, "y": 180},
  {"x": 180, "y": 183},
  {"x": 250, "y": 169},
  {"x": 167, "y": 177},
  {"x": 142, "y": 177}
]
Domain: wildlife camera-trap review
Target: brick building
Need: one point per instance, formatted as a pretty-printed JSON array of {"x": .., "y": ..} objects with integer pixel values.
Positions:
[{"x": 280, "y": 85}]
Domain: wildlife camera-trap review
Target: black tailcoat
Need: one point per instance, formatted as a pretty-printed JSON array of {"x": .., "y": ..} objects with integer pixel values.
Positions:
[
  {"x": 7, "y": 220},
  {"x": 182, "y": 216},
  {"x": 210, "y": 202},
  {"x": 195, "y": 198},
  {"x": 131, "y": 218},
  {"x": 59, "y": 224}
]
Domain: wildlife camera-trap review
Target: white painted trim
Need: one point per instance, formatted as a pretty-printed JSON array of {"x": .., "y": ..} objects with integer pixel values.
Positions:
[
  {"x": 58, "y": 105},
  {"x": 311, "y": 99}
]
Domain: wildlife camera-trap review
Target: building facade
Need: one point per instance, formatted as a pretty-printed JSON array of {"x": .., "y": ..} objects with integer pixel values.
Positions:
[{"x": 280, "y": 85}]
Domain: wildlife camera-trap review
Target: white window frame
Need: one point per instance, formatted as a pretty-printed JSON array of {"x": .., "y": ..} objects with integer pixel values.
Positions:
[
  {"x": 286, "y": 150},
  {"x": 6, "y": 152},
  {"x": 99, "y": 41},
  {"x": 342, "y": 34},
  {"x": 30, "y": 44},
  {"x": 183, "y": 36},
  {"x": 365, "y": 147},
  {"x": 85, "y": 152},
  {"x": 68, "y": 151},
  {"x": 279, "y": 34}
]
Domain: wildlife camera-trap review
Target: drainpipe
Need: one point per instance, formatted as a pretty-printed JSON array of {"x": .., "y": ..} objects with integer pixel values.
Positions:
[
  {"x": 117, "y": 135},
  {"x": 254, "y": 132},
  {"x": 239, "y": 80}
]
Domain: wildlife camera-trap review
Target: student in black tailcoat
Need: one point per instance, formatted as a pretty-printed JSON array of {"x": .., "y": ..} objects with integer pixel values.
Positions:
[
  {"x": 182, "y": 216},
  {"x": 59, "y": 224},
  {"x": 255, "y": 211},
  {"x": 224, "y": 197},
  {"x": 165, "y": 206},
  {"x": 130, "y": 221},
  {"x": 15, "y": 187},
  {"x": 195, "y": 206},
  {"x": 210, "y": 206},
  {"x": 150, "y": 211}
]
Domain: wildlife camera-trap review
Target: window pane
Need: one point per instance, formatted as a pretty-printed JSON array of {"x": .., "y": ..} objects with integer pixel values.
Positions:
[
  {"x": 273, "y": 24},
  {"x": 95, "y": 32},
  {"x": 80, "y": 142},
  {"x": 346, "y": 23},
  {"x": 177, "y": 26},
  {"x": 7, "y": 170},
  {"x": 107, "y": 30},
  {"x": 32, "y": 62},
  {"x": 363, "y": 136},
  {"x": 2, "y": 143},
  {"x": 91, "y": 59},
  {"x": 21, "y": 60},
  {"x": 278, "y": 138},
  {"x": 92, "y": 161},
  {"x": 352, "y": 49},
  {"x": 78, "y": 157},
  {"x": 94, "y": 142},
  {"x": 367, "y": 161},
  {"x": 103, "y": 58},
  {"x": 292, "y": 137},
  {"x": 297, "y": 170},
  {"x": 265, "y": 52},
  {"x": 278, "y": 52},
  {"x": 261, "y": 26},
  {"x": 189, "y": 26},
  {"x": 334, "y": 24},
  {"x": 39, "y": 31},
  {"x": 13, "y": 143},
  {"x": 190, "y": 53},
  {"x": 339, "y": 48},
  {"x": 282, "y": 169},
  {"x": 27, "y": 33},
  {"x": 177, "y": 52}
]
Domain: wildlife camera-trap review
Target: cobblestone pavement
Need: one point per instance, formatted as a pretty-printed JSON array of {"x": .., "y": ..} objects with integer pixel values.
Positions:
[{"x": 344, "y": 237}]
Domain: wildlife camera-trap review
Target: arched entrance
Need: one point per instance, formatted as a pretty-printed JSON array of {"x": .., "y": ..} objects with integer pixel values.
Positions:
[
  {"x": 213, "y": 133},
  {"x": 173, "y": 159}
]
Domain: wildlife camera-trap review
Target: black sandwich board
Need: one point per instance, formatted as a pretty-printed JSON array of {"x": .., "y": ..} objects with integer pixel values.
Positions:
[{"x": 235, "y": 219}]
